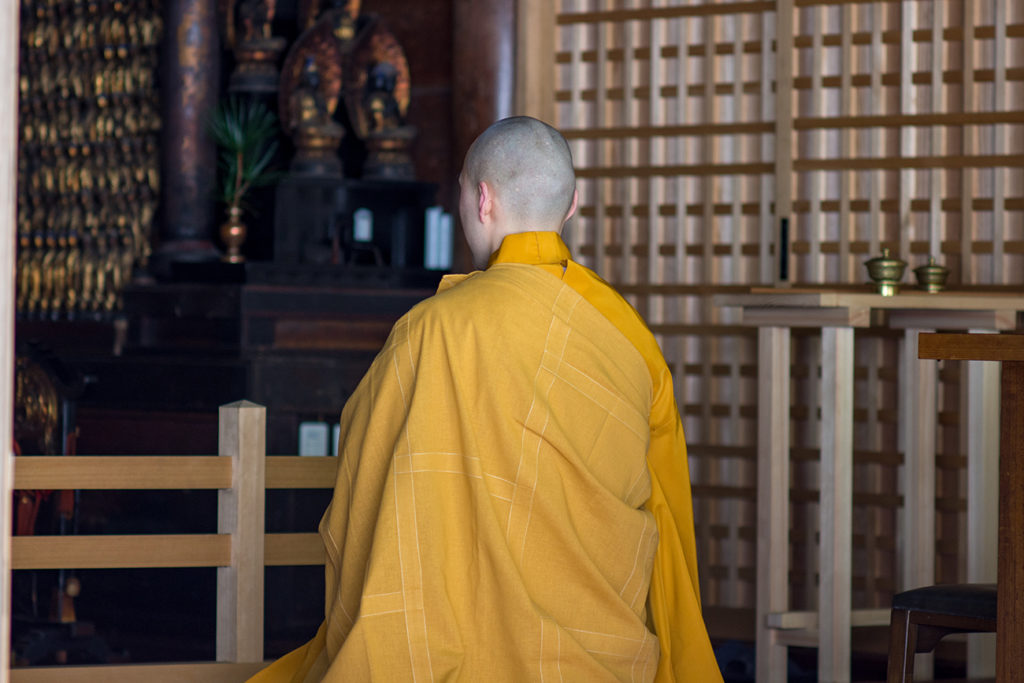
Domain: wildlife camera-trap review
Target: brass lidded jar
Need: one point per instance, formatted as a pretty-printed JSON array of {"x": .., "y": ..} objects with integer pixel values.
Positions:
[
  {"x": 886, "y": 272},
  {"x": 931, "y": 277}
]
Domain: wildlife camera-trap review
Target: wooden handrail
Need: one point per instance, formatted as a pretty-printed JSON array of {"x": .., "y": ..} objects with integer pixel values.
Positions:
[
  {"x": 158, "y": 550},
  {"x": 293, "y": 550},
  {"x": 122, "y": 472},
  {"x": 239, "y": 550},
  {"x": 159, "y": 472},
  {"x": 121, "y": 552},
  {"x": 292, "y": 472},
  {"x": 196, "y": 672}
]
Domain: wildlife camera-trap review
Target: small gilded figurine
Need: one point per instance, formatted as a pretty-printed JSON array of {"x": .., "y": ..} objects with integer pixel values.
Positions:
[
  {"x": 315, "y": 133},
  {"x": 377, "y": 99},
  {"x": 249, "y": 33},
  {"x": 255, "y": 18},
  {"x": 380, "y": 100}
]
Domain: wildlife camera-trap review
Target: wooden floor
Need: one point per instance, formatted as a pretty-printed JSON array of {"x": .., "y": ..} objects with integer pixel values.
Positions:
[
  {"x": 949, "y": 680},
  {"x": 868, "y": 663}
]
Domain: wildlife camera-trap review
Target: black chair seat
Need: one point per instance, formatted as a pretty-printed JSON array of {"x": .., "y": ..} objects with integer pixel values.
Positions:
[
  {"x": 923, "y": 616},
  {"x": 976, "y": 600}
]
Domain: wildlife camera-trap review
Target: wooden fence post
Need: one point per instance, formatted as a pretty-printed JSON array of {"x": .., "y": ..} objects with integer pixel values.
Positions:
[{"x": 241, "y": 514}]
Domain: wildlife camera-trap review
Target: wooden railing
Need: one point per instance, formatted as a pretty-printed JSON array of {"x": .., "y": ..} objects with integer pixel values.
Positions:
[{"x": 239, "y": 550}]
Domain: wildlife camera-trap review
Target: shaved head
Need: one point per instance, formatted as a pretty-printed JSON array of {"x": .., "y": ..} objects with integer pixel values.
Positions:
[{"x": 529, "y": 166}]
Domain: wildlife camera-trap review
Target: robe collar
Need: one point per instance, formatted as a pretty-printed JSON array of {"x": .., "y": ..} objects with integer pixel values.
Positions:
[{"x": 532, "y": 248}]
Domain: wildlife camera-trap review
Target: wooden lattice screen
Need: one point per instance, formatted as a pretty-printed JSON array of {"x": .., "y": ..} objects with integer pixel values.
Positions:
[{"x": 899, "y": 123}]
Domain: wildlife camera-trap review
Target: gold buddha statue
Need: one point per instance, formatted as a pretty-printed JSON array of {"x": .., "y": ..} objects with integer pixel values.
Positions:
[{"x": 315, "y": 133}]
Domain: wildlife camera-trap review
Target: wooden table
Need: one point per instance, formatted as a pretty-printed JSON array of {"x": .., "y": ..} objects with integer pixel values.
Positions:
[
  {"x": 837, "y": 313},
  {"x": 1009, "y": 349}
]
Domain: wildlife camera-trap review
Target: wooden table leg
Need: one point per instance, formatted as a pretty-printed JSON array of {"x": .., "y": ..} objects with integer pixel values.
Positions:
[
  {"x": 836, "y": 505},
  {"x": 982, "y": 507},
  {"x": 918, "y": 392},
  {"x": 918, "y": 416},
  {"x": 1010, "y": 617},
  {"x": 772, "y": 498}
]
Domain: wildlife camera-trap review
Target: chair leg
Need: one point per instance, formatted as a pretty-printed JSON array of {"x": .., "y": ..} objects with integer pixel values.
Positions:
[{"x": 902, "y": 646}]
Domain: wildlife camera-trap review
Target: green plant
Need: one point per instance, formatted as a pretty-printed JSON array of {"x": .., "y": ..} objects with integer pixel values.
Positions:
[{"x": 246, "y": 131}]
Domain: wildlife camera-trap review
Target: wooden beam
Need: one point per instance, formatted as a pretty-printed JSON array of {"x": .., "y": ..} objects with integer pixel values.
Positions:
[
  {"x": 835, "y": 505},
  {"x": 791, "y": 621},
  {"x": 292, "y": 472},
  {"x": 145, "y": 551},
  {"x": 983, "y": 414},
  {"x": 122, "y": 472},
  {"x": 164, "y": 472},
  {"x": 967, "y": 176},
  {"x": 8, "y": 211},
  {"x": 783, "y": 169},
  {"x": 121, "y": 552},
  {"x": 772, "y": 496},
  {"x": 768, "y": 248},
  {"x": 970, "y": 346},
  {"x": 535, "y": 59},
  {"x": 293, "y": 550},
  {"x": 995, "y": 319},
  {"x": 794, "y": 316},
  {"x": 1009, "y": 613},
  {"x": 199, "y": 672},
  {"x": 918, "y": 394},
  {"x": 999, "y": 144}
]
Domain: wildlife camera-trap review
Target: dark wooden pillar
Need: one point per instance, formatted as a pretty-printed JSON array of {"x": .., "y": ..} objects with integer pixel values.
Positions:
[
  {"x": 189, "y": 75},
  {"x": 1010, "y": 573},
  {"x": 483, "y": 76}
]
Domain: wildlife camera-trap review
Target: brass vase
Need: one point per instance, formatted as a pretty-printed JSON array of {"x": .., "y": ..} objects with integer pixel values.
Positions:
[{"x": 232, "y": 232}]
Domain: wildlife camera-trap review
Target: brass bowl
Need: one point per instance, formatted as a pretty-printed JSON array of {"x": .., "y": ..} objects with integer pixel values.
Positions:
[
  {"x": 931, "y": 277},
  {"x": 886, "y": 272}
]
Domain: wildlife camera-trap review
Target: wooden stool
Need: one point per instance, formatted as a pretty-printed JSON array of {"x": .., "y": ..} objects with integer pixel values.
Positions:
[{"x": 923, "y": 616}]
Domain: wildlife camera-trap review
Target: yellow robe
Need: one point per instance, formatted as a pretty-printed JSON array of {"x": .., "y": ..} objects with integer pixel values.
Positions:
[{"x": 513, "y": 497}]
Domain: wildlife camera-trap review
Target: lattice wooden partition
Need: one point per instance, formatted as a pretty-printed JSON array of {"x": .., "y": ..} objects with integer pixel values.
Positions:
[
  {"x": 900, "y": 123},
  {"x": 669, "y": 112},
  {"x": 909, "y": 133}
]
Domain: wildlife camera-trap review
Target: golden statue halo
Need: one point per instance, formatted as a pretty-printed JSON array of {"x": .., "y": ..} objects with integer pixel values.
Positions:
[
  {"x": 327, "y": 52},
  {"x": 310, "y": 11},
  {"x": 375, "y": 44}
]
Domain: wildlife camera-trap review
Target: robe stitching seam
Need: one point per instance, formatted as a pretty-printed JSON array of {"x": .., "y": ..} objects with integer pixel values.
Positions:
[
  {"x": 547, "y": 419},
  {"x": 610, "y": 410},
  {"x": 398, "y": 518},
  {"x": 636, "y": 595},
  {"x": 541, "y": 658},
  {"x": 604, "y": 635},
  {"x": 614, "y": 395},
  {"x": 636, "y": 559},
  {"x": 558, "y": 659},
  {"x": 522, "y": 438}
]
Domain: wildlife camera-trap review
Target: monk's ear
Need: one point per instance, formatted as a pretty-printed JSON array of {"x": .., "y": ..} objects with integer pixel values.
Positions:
[
  {"x": 572, "y": 207},
  {"x": 485, "y": 203}
]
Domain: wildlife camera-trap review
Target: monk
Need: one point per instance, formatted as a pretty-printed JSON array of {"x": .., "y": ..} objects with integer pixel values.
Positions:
[{"x": 513, "y": 497}]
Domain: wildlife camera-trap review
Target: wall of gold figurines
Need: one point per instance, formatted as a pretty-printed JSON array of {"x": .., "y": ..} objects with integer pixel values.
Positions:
[{"x": 88, "y": 164}]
